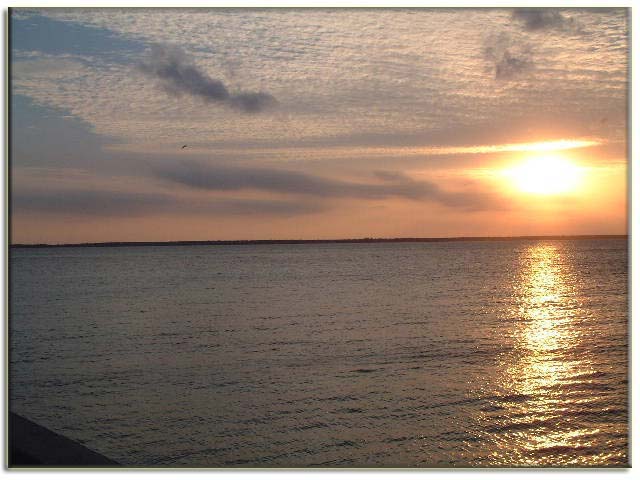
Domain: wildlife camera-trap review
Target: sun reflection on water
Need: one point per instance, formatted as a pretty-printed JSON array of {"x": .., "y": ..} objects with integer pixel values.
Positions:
[
  {"x": 549, "y": 328},
  {"x": 539, "y": 384}
]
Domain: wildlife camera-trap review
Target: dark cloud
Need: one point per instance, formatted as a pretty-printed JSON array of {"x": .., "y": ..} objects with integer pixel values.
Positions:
[
  {"x": 533, "y": 19},
  {"x": 88, "y": 202},
  {"x": 198, "y": 175},
  {"x": 393, "y": 184},
  {"x": 252, "y": 101},
  {"x": 120, "y": 204},
  {"x": 508, "y": 59},
  {"x": 178, "y": 75},
  {"x": 509, "y": 66}
]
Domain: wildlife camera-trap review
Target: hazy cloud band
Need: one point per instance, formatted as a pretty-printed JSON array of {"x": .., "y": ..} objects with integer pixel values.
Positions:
[{"x": 392, "y": 184}]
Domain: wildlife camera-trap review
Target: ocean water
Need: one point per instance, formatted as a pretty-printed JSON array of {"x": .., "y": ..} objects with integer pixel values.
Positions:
[{"x": 500, "y": 353}]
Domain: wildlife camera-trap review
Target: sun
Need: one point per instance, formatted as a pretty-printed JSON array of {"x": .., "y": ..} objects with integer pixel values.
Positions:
[{"x": 545, "y": 175}]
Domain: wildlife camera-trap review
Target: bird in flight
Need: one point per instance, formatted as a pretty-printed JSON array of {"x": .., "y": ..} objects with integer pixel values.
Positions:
[{"x": 183, "y": 146}]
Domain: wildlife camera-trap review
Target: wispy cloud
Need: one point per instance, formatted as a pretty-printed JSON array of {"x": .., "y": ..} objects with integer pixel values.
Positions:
[
  {"x": 544, "y": 146},
  {"x": 508, "y": 58},
  {"x": 353, "y": 152},
  {"x": 117, "y": 204},
  {"x": 179, "y": 75},
  {"x": 392, "y": 184},
  {"x": 436, "y": 150},
  {"x": 88, "y": 202},
  {"x": 533, "y": 19},
  {"x": 509, "y": 65}
]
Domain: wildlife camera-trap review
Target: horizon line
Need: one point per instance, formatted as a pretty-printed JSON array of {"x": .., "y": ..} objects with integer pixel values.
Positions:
[{"x": 317, "y": 241}]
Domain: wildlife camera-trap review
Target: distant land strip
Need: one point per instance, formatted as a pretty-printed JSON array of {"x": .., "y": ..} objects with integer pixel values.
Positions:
[{"x": 297, "y": 242}]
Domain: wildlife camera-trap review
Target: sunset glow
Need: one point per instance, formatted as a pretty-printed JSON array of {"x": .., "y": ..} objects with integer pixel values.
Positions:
[
  {"x": 210, "y": 124},
  {"x": 545, "y": 175}
]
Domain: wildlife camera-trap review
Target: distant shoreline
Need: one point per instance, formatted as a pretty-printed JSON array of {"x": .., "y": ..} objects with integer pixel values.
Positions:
[{"x": 298, "y": 242}]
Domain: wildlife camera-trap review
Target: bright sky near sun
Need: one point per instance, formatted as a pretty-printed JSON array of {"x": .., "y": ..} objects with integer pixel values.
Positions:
[{"x": 177, "y": 124}]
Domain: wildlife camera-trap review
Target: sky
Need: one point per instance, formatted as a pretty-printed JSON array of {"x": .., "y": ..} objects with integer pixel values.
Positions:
[{"x": 229, "y": 124}]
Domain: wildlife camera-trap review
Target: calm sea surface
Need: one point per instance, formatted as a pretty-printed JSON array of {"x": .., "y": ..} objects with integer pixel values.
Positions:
[{"x": 400, "y": 354}]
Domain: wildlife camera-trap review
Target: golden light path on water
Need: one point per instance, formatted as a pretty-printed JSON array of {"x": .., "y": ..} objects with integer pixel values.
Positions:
[{"x": 545, "y": 378}]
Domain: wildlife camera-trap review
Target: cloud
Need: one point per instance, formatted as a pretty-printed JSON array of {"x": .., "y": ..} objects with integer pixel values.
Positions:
[
  {"x": 198, "y": 175},
  {"x": 106, "y": 203},
  {"x": 88, "y": 202},
  {"x": 392, "y": 184},
  {"x": 338, "y": 75},
  {"x": 178, "y": 75},
  {"x": 509, "y": 66},
  {"x": 534, "y": 19},
  {"x": 509, "y": 59}
]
